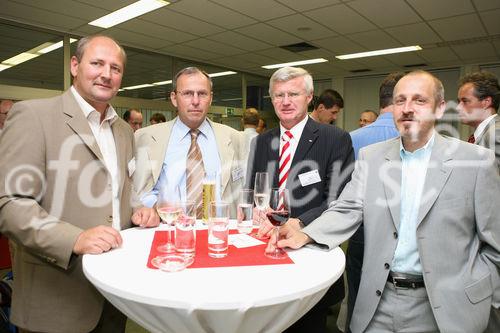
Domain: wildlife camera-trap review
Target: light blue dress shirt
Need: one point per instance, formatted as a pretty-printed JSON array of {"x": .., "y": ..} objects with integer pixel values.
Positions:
[
  {"x": 413, "y": 171},
  {"x": 380, "y": 130},
  {"x": 174, "y": 165}
]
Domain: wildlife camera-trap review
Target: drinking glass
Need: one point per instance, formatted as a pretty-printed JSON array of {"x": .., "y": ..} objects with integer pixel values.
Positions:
[
  {"x": 261, "y": 194},
  {"x": 245, "y": 211},
  {"x": 278, "y": 214},
  {"x": 168, "y": 208},
  {"x": 185, "y": 229},
  {"x": 218, "y": 229}
]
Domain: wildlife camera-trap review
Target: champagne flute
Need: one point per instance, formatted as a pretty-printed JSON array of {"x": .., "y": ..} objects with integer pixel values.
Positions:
[
  {"x": 261, "y": 195},
  {"x": 278, "y": 214},
  {"x": 168, "y": 208}
]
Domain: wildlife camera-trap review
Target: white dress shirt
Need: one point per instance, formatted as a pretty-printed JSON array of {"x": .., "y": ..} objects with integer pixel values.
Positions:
[{"x": 106, "y": 142}]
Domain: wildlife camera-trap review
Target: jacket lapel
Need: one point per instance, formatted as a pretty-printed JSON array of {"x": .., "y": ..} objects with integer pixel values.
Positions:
[
  {"x": 273, "y": 148},
  {"x": 437, "y": 175},
  {"x": 392, "y": 182},
  {"x": 158, "y": 148},
  {"x": 121, "y": 151},
  {"x": 307, "y": 140},
  {"x": 79, "y": 124},
  {"x": 226, "y": 153}
]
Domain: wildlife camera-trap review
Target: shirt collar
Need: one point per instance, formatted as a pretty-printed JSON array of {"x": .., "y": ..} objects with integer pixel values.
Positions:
[
  {"x": 427, "y": 147},
  {"x": 482, "y": 126},
  {"x": 296, "y": 130},
  {"x": 87, "y": 109},
  {"x": 204, "y": 128}
]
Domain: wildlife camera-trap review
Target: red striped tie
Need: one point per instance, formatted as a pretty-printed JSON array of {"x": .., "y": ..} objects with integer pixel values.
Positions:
[{"x": 285, "y": 159}]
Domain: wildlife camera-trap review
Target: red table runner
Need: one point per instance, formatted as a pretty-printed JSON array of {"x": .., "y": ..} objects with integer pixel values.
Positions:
[{"x": 248, "y": 256}]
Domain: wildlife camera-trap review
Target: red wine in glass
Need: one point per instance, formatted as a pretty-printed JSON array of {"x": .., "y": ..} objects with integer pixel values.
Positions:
[{"x": 278, "y": 218}]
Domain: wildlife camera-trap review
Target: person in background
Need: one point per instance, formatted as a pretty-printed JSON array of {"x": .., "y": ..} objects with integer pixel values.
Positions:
[
  {"x": 310, "y": 159},
  {"x": 5, "y": 106},
  {"x": 250, "y": 122},
  {"x": 367, "y": 117},
  {"x": 184, "y": 150},
  {"x": 478, "y": 101},
  {"x": 157, "y": 118},
  {"x": 77, "y": 155},
  {"x": 327, "y": 107},
  {"x": 134, "y": 118},
  {"x": 432, "y": 252},
  {"x": 262, "y": 126}
]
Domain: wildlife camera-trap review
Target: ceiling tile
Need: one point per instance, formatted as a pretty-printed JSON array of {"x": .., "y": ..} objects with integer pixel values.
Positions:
[
  {"x": 486, "y": 4},
  {"x": 295, "y": 24},
  {"x": 181, "y": 22},
  {"x": 70, "y": 8},
  {"x": 109, "y": 5},
  {"x": 261, "y": 10},
  {"x": 431, "y": 9},
  {"x": 414, "y": 34},
  {"x": 376, "y": 62},
  {"x": 338, "y": 45},
  {"x": 243, "y": 42},
  {"x": 376, "y": 11},
  {"x": 157, "y": 31},
  {"x": 301, "y": 5},
  {"x": 459, "y": 27},
  {"x": 475, "y": 51},
  {"x": 130, "y": 38},
  {"x": 341, "y": 19},
  {"x": 269, "y": 34},
  {"x": 491, "y": 20},
  {"x": 232, "y": 62},
  {"x": 255, "y": 58},
  {"x": 212, "y": 13},
  {"x": 212, "y": 46},
  {"x": 438, "y": 54},
  {"x": 375, "y": 40},
  {"x": 280, "y": 55},
  {"x": 188, "y": 52},
  {"x": 402, "y": 59}
]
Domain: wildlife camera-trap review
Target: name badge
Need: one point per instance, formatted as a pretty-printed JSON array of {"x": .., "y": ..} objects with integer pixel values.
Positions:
[
  {"x": 237, "y": 173},
  {"x": 131, "y": 167},
  {"x": 310, "y": 177}
]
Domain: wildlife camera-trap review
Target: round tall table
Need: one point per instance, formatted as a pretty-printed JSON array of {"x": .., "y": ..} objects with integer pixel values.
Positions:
[{"x": 227, "y": 299}]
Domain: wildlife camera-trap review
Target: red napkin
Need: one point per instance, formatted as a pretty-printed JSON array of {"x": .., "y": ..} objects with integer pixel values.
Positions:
[{"x": 248, "y": 256}]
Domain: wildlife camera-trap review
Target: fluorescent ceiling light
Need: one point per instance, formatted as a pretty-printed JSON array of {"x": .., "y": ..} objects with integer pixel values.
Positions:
[
  {"x": 139, "y": 86},
  {"x": 231, "y": 99},
  {"x": 54, "y": 46},
  {"x": 129, "y": 12},
  {"x": 379, "y": 52},
  {"x": 20, "y": 58},
  {"x": 221, "y": 74},
  {"x": 296, "y": 63},
  {"x": 4, "y": 67},
  {"x": 161, "y": 83}
]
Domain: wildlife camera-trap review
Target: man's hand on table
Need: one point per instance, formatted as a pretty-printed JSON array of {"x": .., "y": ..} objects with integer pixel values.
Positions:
[
  {"x": 290, "y": 236},
  {"x": 146, "y": 217},
  {"x": 97, "y": 240}
]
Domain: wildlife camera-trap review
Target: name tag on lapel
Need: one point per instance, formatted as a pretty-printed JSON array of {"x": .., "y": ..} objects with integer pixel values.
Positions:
[
  {"x": 236, "y": 174},
  {"x": 131, "y": 167},
  {"x": 310, "y": 177}
]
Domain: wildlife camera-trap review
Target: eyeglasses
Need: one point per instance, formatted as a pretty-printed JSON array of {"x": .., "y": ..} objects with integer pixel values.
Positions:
[
  {"x": 189, "y": 94},
  {"x": 291, "y": 95}
]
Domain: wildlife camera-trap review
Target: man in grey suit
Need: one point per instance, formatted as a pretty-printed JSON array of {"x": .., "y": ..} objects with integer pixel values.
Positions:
[
  {"x": 478, "y": 102},
  {"x": 431, "y": 223},
  {"x": 65, "y": 191}
]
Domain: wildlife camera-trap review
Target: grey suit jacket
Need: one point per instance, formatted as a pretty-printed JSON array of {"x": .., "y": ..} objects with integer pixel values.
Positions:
[
  {"x": 490, "y": 138},
  {"x": 152, "y": 143},
  {"x": 54, "y": 185},
  {"x": 458, "y": 232}
]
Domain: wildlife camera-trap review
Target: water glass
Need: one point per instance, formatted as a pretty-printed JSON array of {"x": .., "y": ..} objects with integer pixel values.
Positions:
[
  {"x": 245, "y": 211},
  {"x": 218, "y": 229},
  {"x": 185, "y": 229}
]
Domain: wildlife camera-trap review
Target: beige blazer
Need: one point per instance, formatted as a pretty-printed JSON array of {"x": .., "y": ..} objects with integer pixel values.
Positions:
[
  {"x": 53, "y": 185},
  {"x": 458, "y": 231},
  {"x": 152, "y": 143}
]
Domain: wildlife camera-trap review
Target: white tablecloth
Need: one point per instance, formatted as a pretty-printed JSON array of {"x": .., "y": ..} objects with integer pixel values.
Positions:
[{"x": 227, "y": 300}]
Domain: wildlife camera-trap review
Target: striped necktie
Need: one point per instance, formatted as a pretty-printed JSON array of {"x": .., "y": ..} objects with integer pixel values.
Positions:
[
  {"x": 285, "y": 160},
  {"x": 195, "y": 173}
]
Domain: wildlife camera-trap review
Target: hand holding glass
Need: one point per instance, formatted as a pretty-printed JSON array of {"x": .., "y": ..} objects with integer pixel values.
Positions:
[{"x": 278, "y": 214}]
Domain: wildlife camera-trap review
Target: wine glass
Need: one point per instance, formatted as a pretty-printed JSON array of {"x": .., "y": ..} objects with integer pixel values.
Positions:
[
  {"x": 278, "y": 214},
  {"x": 261, "y": 194},
  {"x": 168, "y": 208}
]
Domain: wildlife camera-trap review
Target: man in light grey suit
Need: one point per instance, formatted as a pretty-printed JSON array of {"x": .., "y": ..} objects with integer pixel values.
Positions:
[
  {"x": 431, "y": 222},
  {"x": 65, "y": 191},
  {"x": 478, "y": 102},
  {"x": 162, "y": 149}
]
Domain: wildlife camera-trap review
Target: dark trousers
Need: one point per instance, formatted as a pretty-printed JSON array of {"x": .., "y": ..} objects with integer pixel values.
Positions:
[{"x": 354, "y": 264}]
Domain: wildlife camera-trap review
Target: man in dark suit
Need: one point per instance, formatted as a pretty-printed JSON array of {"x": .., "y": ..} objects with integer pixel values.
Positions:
[{"x": 318, "y": 159}]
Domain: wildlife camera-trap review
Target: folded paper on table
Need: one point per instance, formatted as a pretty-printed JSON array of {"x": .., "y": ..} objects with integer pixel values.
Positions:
[{"x": 247, "y": 256}]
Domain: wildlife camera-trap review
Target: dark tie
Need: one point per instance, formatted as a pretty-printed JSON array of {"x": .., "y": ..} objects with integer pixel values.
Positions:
[
  {"x": 195, "y": 173},
  {"x": 472, "y": 139}
]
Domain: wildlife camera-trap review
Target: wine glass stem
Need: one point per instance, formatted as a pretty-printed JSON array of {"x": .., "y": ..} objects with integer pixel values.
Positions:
[{"x": 277, "y": 235}]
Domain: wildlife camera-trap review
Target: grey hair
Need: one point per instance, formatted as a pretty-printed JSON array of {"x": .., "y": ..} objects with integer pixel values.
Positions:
[
  {"x": 288, "y": 73},
  {"x": 189, "y": 71},
  {"x": 83, "y": 42}
]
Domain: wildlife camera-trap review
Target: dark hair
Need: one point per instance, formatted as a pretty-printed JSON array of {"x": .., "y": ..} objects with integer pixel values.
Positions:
[
  {"x": 189, "y": 71},
  {"x": 126, "y": 115},
  {"x": 158, "y": 118},
  {"x": 251, "y": 117},
  {"x": 386, "y": 89},
  {"x": 485, "y": 85},
  {"x": 82, "y": 44},
  {"x": 329, "y": 98}
]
